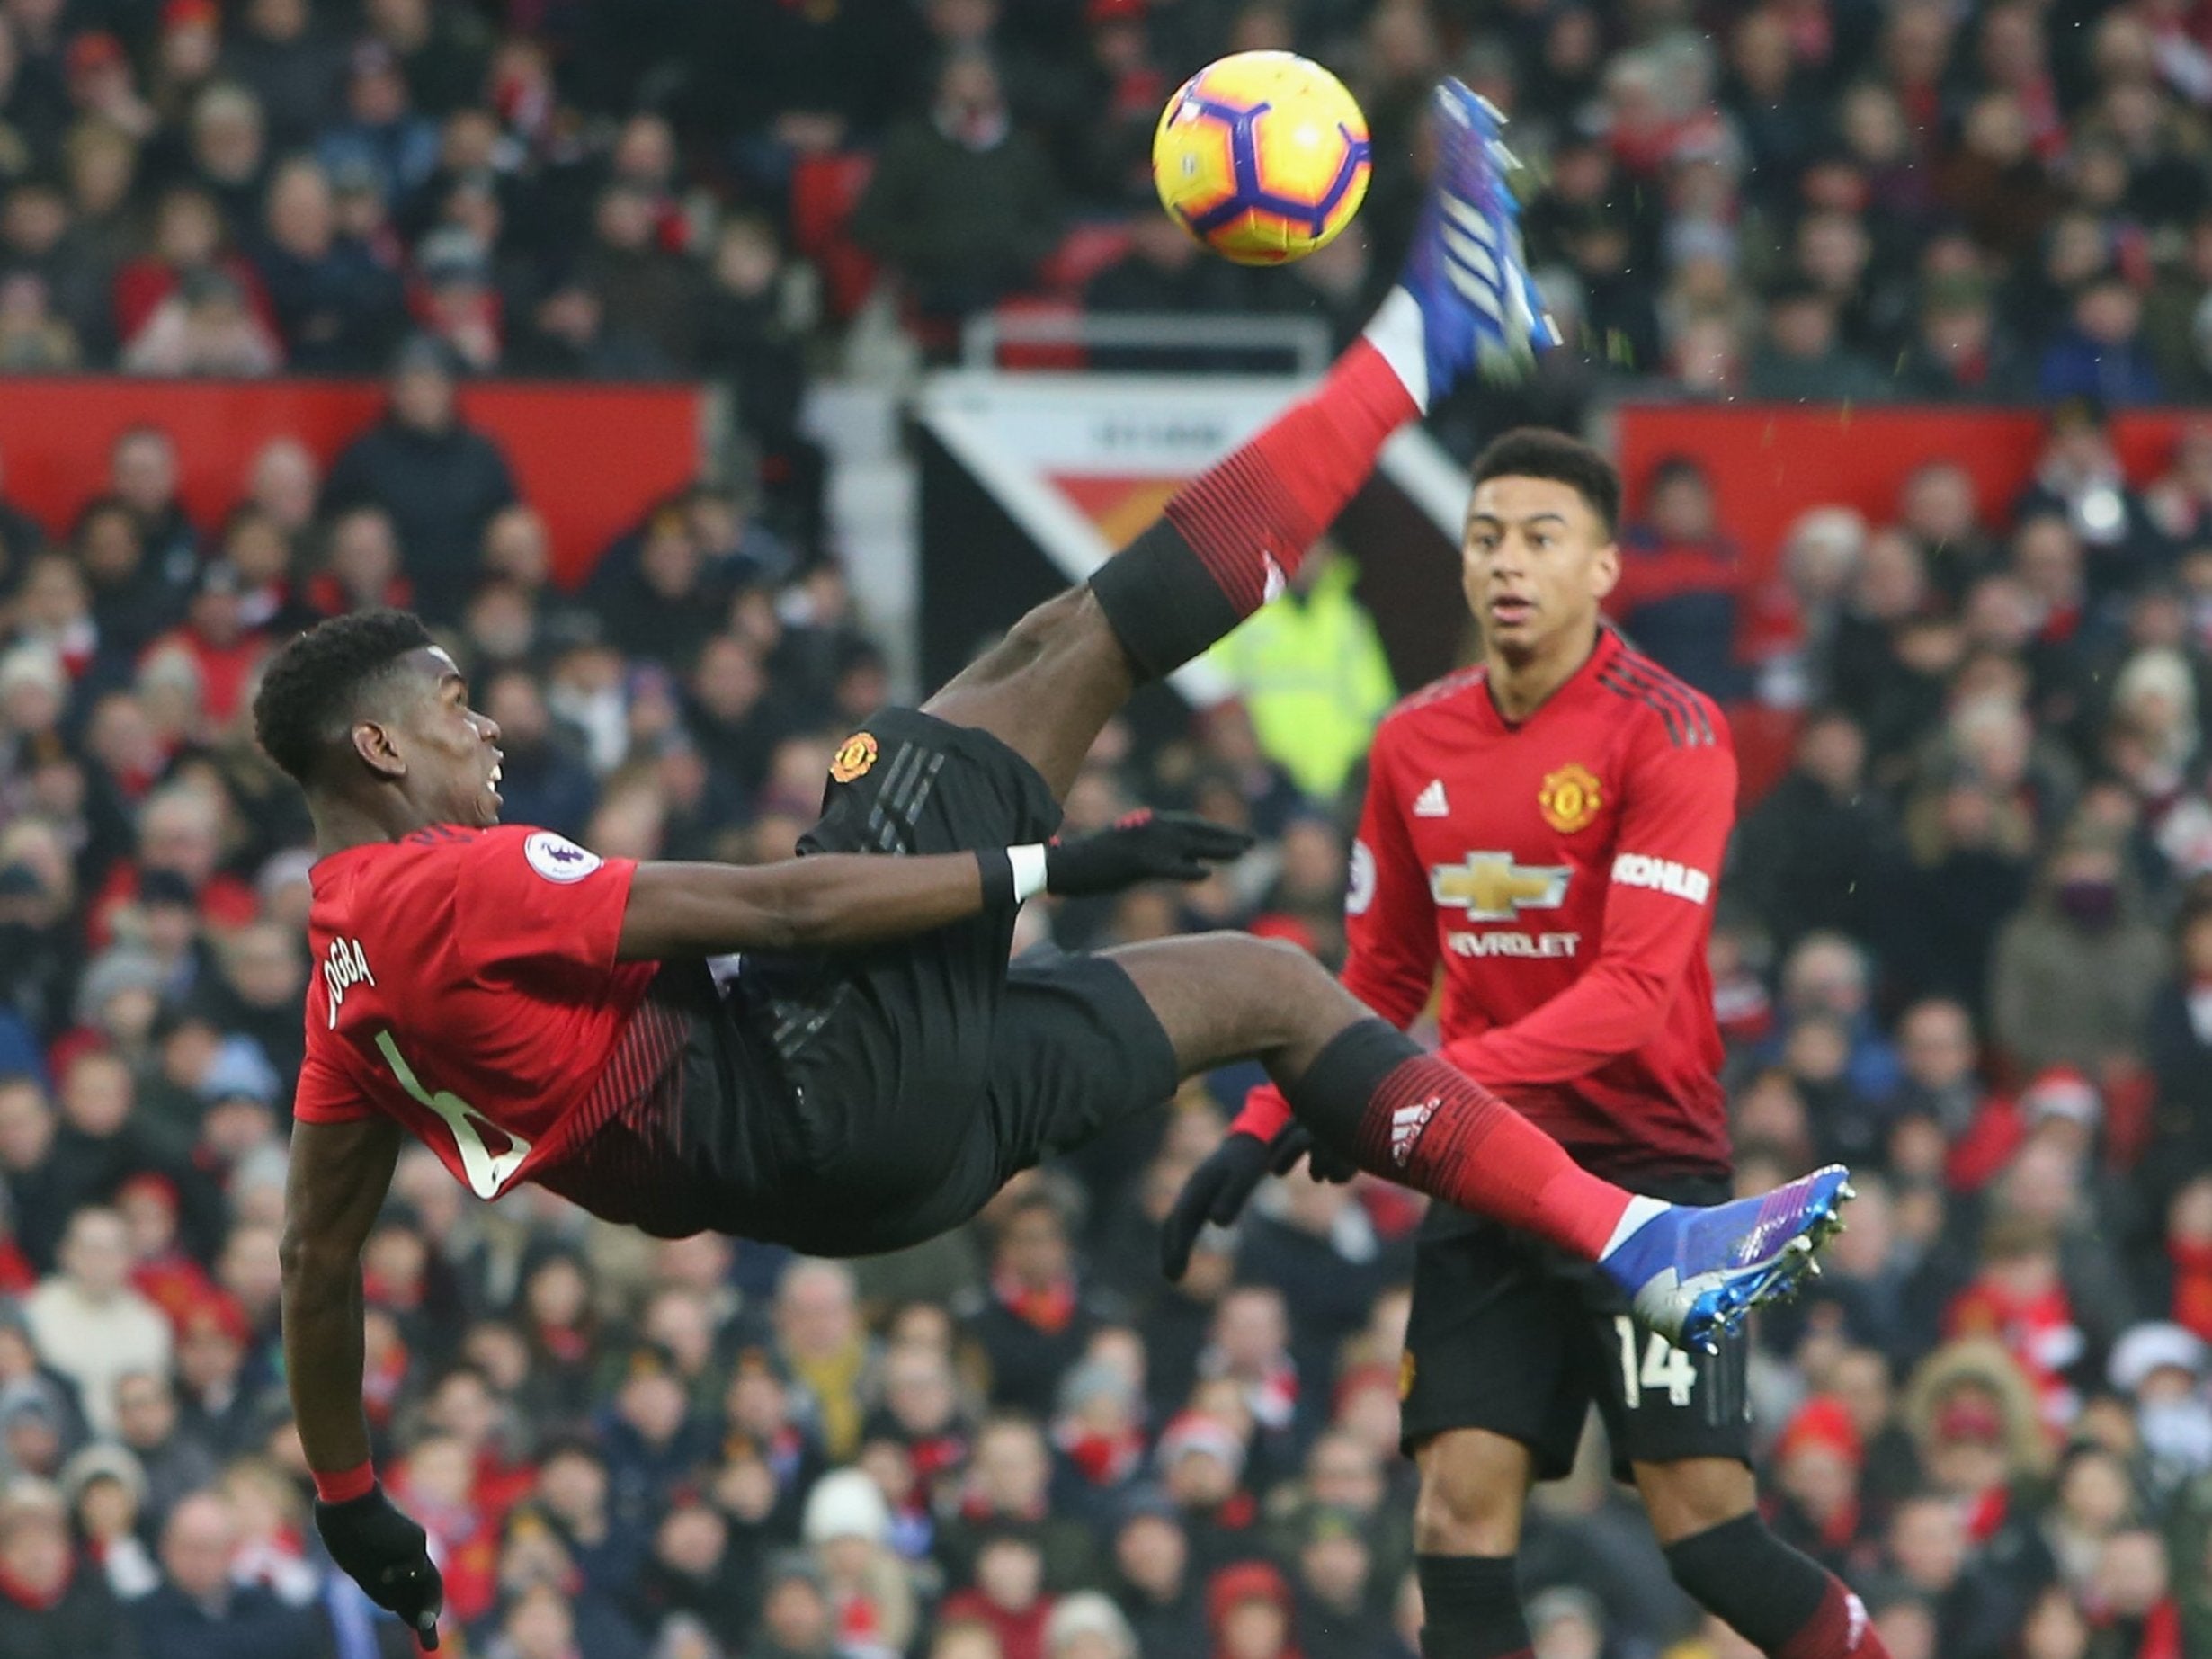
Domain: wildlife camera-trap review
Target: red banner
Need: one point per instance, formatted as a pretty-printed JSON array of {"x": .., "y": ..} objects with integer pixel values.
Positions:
[
  {"x": 1771, "y": 462},
  {"x": 591, "y": 459}
]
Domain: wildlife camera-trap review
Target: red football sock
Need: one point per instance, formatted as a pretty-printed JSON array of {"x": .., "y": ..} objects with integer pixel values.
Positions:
[
  {"x": 1440, "y": 1131},
  {"x": 1235, "y": 534},
  {"x": 1272, "y": 498},
  {"x": 1399, "y": 1112},
  {"x": 1838, "y": 1629}
]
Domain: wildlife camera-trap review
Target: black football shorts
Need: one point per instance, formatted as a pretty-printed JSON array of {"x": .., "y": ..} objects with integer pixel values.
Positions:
[
  {"x": 1508, "y": 1335},
  {"x": 920, "y": 1075}
]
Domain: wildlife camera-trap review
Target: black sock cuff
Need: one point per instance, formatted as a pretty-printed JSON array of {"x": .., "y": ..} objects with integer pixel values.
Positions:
[
  {"x": 1163, "y": 603},
  {"x": 1740, "y": 1570},
  {"x": 1456, "y": 1578},
  {"x": 1331, "y": 1097},
  {"x": 1718, "y": 1546},
  {"x": 1470, "y": 1605}
]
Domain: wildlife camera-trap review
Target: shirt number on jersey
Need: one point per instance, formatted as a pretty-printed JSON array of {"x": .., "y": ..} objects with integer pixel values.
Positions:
[
  {"x": 1665, "y": 1366},
  {"x": 487, "y": 1171}
]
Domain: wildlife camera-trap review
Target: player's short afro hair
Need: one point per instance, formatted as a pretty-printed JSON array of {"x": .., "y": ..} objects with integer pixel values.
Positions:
[
  {"x": 1538, "y": 452},
  {"x": 308, "y": 696}
]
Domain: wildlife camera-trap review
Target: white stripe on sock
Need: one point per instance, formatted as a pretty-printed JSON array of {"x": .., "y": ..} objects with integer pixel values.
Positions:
[
  {"x": 1632, "y": 1219},
  {"x": 1397, "y": 334}
]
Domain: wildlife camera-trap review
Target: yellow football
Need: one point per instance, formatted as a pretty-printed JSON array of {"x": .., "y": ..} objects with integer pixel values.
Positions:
[{"x": 1261, "y": 156}]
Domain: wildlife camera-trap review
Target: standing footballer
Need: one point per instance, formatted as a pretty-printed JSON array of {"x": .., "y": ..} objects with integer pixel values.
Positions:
[{"x": 1548, "y": 828}]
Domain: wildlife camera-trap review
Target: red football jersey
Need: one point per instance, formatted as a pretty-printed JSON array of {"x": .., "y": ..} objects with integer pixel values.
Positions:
[
  {"x": 1562, "y": 872},
  {"x": 466, "y": 984}
]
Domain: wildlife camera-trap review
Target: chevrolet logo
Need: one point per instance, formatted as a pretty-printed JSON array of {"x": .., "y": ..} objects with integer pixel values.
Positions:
[{"x": 1491, "y": 887}]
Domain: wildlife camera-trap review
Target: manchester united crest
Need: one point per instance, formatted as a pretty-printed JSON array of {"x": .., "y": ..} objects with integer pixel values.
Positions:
[
  {"x": 1570, "y": 798},
  {"x": 1405, "y": 1374},
  {"x": 854, "y": 756}
]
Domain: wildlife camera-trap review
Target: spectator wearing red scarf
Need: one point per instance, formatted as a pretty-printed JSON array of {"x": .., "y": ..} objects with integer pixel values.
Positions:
[
  {"x": 215, "y": 639},
  {"x": 437, "y": 1484},
  {"x": 1819, "y": 1459},
  {"x": 49, "y": 1606},
  {"x": 2188, "y": 1256},
  {"x": 2131, "y": 1603},
  {"x": 847, "y": 1526},
  {"x": 1034, "y": 1321},
  {"x": 1007, "y": 1595},
  {"x": 1201, "y": 1464},
  {"x": 2019, "y": 1298},
  {"x": 1100, "y": 1433}
]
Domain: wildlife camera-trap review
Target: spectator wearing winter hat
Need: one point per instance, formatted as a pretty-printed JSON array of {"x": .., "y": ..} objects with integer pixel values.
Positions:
[
  {"x": 37, "y": 1429},
  {"x": 105, "y": 1489},
  {"x": 847, "y": 1528},
  {"x": 1975, "y": 1416},
  {"x": 2059, "y": 1097},
  {"x": 1248, "y": 1613},
  {"x": 1098, "y": 1433},
  {"x": 1087, "y": 1625},
  {"x": 2162, "y": 1368},
  {"x": 797, "y": 1620},
  {"x": 1201, "y": 1461},
  {"x": 222, "y": 1383},
  {"x": 1818, "y": 1459}
]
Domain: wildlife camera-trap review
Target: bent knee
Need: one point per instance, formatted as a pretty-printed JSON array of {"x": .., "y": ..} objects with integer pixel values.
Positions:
[
  {"x": 1686, "y": 1499},
  {"x": 1474, "y": 1485}
]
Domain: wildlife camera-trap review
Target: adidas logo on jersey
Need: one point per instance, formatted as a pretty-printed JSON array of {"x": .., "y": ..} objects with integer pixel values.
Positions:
[
  {"x": 1430, "y": 802},
  {"x": 1405, "y": 1125}
]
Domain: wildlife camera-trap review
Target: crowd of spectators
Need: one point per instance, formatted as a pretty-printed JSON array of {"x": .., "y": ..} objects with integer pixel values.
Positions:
[
  {"x": 1803, "y": 199},
  {"x": 1966, "y": 941}
]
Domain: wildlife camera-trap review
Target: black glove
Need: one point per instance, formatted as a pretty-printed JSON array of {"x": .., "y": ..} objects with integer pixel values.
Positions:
[
  {"x": 1221, "y": 1186},
  {"x": 1144, "y": 846},
  {"x": 1216, "y": 1192},
  {"x": 387, "y": 1555},
  {"x": 1296, "y": 1141}
]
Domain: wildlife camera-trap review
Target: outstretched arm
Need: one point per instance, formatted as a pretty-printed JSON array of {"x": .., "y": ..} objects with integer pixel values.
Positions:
[
  {"x": 836, "y": 900},
  {"x": 340, "y": 1174}
]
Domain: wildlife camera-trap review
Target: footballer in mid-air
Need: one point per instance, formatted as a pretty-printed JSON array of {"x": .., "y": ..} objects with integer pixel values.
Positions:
[{"x": 833, "y": 1052}]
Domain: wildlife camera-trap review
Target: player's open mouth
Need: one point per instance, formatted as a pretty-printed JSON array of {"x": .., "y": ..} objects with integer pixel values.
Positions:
[{"x": 1511, "y": 611}]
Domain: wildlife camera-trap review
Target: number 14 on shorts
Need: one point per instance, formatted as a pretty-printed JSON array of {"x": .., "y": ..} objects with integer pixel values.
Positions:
[{"x": 1664, "y": 1366}]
